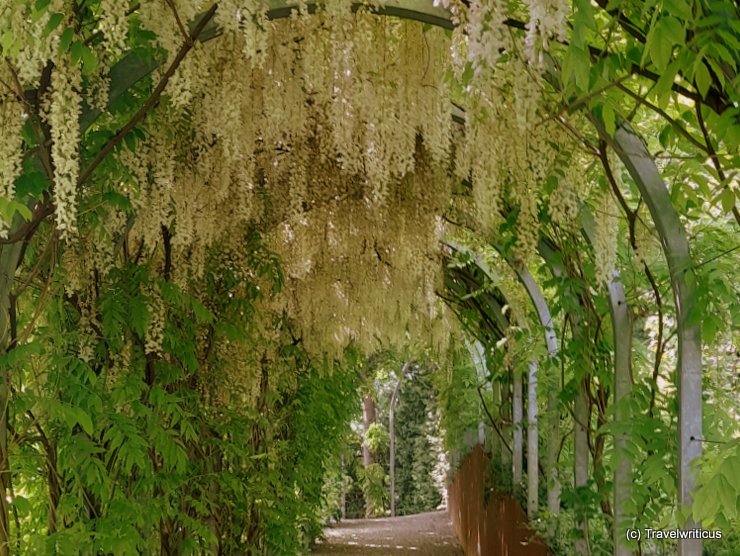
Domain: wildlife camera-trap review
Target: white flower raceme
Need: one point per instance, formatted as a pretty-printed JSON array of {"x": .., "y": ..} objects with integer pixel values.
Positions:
[
  {"x": 27, "y": 43},
  {"x": 114, "y": 25},
  {"x": 64, "y": 117},
  {"x": 156, "y": 322},
  {"x": 487, "y": 33},
  {"x": 605, "y": 237},
  {"x": 564, "y": 203},
  {"x": 12, "y": 118},
  {"x": 333, "y": 136},
  {"x": 548, "y": 19}
]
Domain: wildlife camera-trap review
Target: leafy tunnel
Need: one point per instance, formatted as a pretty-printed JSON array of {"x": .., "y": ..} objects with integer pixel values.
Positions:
[{"x": 227, "y": 227}]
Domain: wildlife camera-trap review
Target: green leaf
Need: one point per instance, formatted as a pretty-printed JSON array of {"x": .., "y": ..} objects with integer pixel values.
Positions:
[
  {"x": 23, "y": 505},
  {"x": 664, "y": 85},
  {"x": 609, "y": 119},
  {"x": 32, "y": 183},
  {"x": 678, "y": 8},
  {"x": 54, "y": 21},
  {"x": 702, "y": 78},
  {"x": 130, "y": 140},
  {"x": 660, "y": 52},
  {"x": 89, "y": 60},
  {"x": 665, "y": 135},
  {"x": 672, "y": 30},
  {"x": 81, "y": 52},
  {"x": 661, "y": 40},
  {"x": 66, "y": 40},
  {"x": 8, "y": 209},
  {"x": 728, "y": 200},
  {"x": 77, "y": 48},
  {"x": 84, "y": 420}
]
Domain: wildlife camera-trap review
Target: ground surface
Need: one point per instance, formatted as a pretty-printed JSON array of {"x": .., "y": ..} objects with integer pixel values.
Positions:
[{"x": 428, "y": 534}]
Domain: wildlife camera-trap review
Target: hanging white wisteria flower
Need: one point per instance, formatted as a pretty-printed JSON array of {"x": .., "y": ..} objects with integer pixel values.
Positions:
[
  {"x": 113, "y": 24},
  {"x": 487, "y": 33},
  {"x": 336, "y": 145},
  {"x": 12, "y": 118},
  {"x": 29, "y": 40},
  {"x": 548, "y": 19},
  {"x": 605, "y": 237},
  {"x": 156, "y": 322},
  {"x": 64, "y": 107}
]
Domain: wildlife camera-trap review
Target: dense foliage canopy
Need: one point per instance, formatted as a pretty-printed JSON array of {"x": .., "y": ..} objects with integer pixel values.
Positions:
[{"x": 212, "y": 212}]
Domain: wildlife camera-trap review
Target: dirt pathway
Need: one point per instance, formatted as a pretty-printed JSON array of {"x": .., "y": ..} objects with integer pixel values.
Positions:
[{"x": 428, "y": 534}]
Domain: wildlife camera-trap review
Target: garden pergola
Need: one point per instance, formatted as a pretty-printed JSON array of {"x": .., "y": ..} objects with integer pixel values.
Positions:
[{"x": 147, "y": 77}]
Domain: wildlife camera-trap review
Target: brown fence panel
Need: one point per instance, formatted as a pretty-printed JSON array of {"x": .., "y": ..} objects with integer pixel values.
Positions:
[{"x": 488, "y": 524}]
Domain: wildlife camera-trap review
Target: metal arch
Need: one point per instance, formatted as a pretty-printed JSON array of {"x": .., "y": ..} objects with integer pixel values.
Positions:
[{"x": 423, "y": 11}]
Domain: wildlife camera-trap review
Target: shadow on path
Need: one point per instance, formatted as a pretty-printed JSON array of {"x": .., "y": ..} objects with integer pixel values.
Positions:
[{"x": 427, "y": 534}]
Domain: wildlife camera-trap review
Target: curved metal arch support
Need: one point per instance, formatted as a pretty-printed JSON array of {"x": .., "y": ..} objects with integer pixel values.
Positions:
[
  {"x": 622, "y": 332},
  {"x": 538, "y": 300},
  {"x": 423, "y": 11},
  {"x": 478, "y": 355},
  {"x": 634, "y": 154},
  {"x": 553, "y": 426},
  {"x": 499, "y": 322},
  {"x": 621, "y": 316},
  {"x": 580, "y": 411}
]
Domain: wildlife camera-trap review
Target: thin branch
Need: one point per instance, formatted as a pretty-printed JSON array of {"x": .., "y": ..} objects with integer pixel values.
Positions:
[
  {"x": 152, "y": 100},
  {"x": 41, "y": 211},
  {"x": 718, "y": 256},
  {"x": 624, "y": 22},
  {"x": 494, "y": 425},
  {"x": 586, "y": 98},
  {"x": 714, "y": 158},
  {"x": 678, "y": 127},
  {"x": 172, "y": 6}
]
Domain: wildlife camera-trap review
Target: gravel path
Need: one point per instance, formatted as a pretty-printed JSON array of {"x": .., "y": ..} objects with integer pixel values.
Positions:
[{"x": 428, "y": 534}]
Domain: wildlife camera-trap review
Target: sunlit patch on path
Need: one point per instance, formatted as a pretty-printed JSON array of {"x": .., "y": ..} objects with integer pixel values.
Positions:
[{"x": 427, "y": 534}]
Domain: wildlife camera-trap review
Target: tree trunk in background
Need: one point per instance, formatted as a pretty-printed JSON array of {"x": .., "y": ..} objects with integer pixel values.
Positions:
[
  {"x": 368, "y": 418},
  {"x": 643, "y": 170},
  {"x": 517, "y": 411},
  {"x": 532, "y": 442},
  {"x": 368, "y": 458},
  {"x": 581, "y": 459},
  {"x": 343, "y": 495}
]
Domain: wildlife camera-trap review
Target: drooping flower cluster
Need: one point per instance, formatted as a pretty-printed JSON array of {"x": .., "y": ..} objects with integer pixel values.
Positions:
[
  {"x": 319, "y": 142},
  {"x": 63, "y": 116},
  {"x": 28, "y": 39},
  {"x": 12, "y": 118},
  {"x": 155, "y": 327},
  {"x": 330, "y": 132},
  {"x": 114, "y": 25},
  {"x": 547, "y": 20},
  {"x": 605, "y": 237},
  {"x": 506, "y": 174},
  {"x": 487, "y": 33}
]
